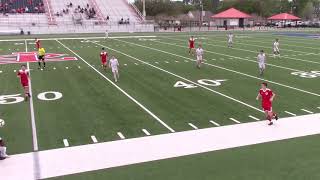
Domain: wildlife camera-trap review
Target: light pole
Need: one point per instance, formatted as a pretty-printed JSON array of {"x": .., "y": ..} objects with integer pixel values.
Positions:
[{"x": 144, "y": 8}]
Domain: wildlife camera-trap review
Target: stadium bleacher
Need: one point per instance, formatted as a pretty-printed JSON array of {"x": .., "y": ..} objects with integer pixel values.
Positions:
[{"x": 21, "y": 6}]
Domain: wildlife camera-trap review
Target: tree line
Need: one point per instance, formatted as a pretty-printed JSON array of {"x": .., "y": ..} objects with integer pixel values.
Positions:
[{"x": 263, "y": 8}]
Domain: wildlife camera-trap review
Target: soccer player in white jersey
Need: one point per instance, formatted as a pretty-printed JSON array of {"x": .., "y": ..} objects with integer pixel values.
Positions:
[
  {"x": 199, "y": 54},
  {"x": 261, "y": 62},
  {"x": 230, "y": 40},
  {"x": 114, "y": 64},
  {"x": 106, "y": 34},
  {"x": 276, "y": 48}
]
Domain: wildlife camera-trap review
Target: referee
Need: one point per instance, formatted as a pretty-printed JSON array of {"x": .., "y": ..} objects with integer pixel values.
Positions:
[{"x": 41, "y": 58}]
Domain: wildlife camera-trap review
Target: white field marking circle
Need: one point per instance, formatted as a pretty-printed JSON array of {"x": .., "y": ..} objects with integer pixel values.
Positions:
[
  {"x": 57, "y": 95},
  {"x": 2, "y": 123},
  {"x": 11, "y": 99}
]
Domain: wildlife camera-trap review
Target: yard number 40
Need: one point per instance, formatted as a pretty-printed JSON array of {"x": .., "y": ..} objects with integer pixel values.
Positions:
[
  {"x": 17, "y": 98},
  {"x": 205, "y": 82}
]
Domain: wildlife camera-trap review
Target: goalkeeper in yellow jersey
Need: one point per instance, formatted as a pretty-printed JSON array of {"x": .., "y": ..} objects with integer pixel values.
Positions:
[{"x": 41, "y": 58}]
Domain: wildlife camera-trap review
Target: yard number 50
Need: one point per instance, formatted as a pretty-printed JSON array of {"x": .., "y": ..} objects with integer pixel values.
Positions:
[{"x": 17, "y": 98}]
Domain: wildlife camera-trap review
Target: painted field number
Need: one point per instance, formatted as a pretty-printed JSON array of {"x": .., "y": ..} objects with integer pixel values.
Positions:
[
  {"x": 205, "y": 82},
  {"x": 18, "y": 98}
]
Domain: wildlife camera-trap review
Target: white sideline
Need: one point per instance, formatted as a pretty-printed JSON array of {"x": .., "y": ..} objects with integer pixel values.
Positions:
[
  {"x": 121, "y": 90},
  {"x": 79, "y": 159},
  {"x": 76, "y": 38}
]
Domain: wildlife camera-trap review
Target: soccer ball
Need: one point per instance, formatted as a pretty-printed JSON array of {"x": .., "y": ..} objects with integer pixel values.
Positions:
[{"x": 2, "y": 123}]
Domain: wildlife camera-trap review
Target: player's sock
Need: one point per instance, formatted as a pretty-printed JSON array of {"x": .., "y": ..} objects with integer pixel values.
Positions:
[
  {"x": 39, "y": 63},
  {"x": 44, "y": 64},
  {"x": 275, "y": 116}
]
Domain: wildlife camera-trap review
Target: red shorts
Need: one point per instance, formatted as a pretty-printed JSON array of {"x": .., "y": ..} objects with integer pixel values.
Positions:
[
  {"x": 24, "y": 84},
  {"x": 104, "y": 62},
  {"x": 267, "y": 108},
  {"x": 191, "y": 46}
]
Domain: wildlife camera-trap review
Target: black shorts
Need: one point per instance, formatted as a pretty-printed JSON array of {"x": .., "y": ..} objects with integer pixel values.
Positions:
[{"x": 41, "y": 57}]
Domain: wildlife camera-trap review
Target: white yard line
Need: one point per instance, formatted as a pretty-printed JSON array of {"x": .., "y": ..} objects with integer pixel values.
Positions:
[
  {"x": 76, "y": 38},
  {"x": 318, "y": 107},
  {"x": 180, "y": 77},
  {"x": 193, "y": 126},
  {"x": 216, "y": 124},
  {"x": 81, "y": 159},
  {"x": 66, "y": 142},
  {"x": 121, "y": 90},
  {"x": 254, "y": 118},
  {"x": 121, "y": 135},
  {"x": 310, "y": 112},
  {"x": 33, "y": 119},
  {"x": 94, "y": 139},
  {"x": 234, "y": 120},
  {"x": 230, "y": 70},
  {"x": 146, "y": 132},
  {"x": 292, "y": 114}
]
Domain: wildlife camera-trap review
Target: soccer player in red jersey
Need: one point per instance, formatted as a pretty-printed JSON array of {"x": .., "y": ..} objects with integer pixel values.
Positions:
[
  {"x": 37, "y": 41},
  {"x": 104, "y": 59},
  {"x": 267, "y": 97},
  {"x": 191, "y": 45},
  {"x": 23, "y": 74}
]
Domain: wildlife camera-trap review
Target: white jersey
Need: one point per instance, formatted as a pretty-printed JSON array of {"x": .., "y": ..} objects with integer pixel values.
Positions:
[
  {"x": 230, "y": 38},
  {"x": 199, "y": 52},
  {"x": 114, "y": 64},
  {"x": 276, "y": 46},
  {"x": 107, "y": 34},
  {"x": 261, "y": 58}
]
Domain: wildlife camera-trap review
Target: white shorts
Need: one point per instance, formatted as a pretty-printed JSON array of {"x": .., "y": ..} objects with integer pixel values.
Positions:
[
  {"x": 199, "y": 58},
  {"x": 114, "y": 70},
  {"x": 276, "y": 50},
  {"x": 230, "y": 41},
  {"x": 262, "y": 65}
]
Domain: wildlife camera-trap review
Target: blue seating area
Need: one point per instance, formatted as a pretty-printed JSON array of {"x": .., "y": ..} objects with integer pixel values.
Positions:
[{"x": 21, "y": 6}]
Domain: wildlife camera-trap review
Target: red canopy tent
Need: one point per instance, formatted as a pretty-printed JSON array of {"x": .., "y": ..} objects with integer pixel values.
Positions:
[
  {"x": 284, "y": 16},
  {"x": 232, "y": 16},
  {"x": 231, "y": 13}
]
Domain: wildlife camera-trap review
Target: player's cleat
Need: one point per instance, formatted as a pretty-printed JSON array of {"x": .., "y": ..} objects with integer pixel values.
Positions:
[
  {"x": 276, "y": 117},
  {"x": 271, "y": 123}
]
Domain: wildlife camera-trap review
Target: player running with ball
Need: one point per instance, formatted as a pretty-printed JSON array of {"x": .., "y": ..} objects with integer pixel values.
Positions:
[
  {"x": 23, "y": 74},
  {"x": 114, "y": 65},
  {"x": 267, "y": 97}
]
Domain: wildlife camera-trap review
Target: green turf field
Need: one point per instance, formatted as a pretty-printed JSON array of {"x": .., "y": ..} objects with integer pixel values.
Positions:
[{"x": 160, "y": 90}]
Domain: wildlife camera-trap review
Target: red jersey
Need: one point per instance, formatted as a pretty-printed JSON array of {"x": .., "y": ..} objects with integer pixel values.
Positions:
[
  {"x": 37, "y": 44},
  {"x": 191, "y": 42},
  {"x": 24, "y": 77},
  {"x": 104, "y": 56},
  {"x": 266, "y": 95}
]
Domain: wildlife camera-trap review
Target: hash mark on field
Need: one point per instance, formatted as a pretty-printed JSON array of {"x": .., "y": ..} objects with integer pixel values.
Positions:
[
  {"x": 167, "y": 62},
  {"x": 216, "y": 124},
  {"x": 125, "y": 64},
  {"x": 136, "y": 64},
  {"x": 79, "y": 67},
  {"x": 0, "y": 71},
  {"x": 146, "y": 132},
  {"x": 94, "y": 139},
  {"x": 307, "y": 111},
  {"x": 193, "y": 126},
  {"x": 14, "y": 70},
  {"x": 121, "y": 135},
  {"x": 66, "y": 143},
  {"x": 213, "y": 59},
  {"x": 186, "y": 61},
  {"x": 292, "y": 114},
  {"x": 177, "y": 61},
  {"x": 157, "y": 62},
  {"x": 234, "y": 120},
  {"x": 67, "y": 67},
  {"x": 318, "y": 107},
  {"x": 255, "y": 118},
  {"x": 54, "y": 68}
]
